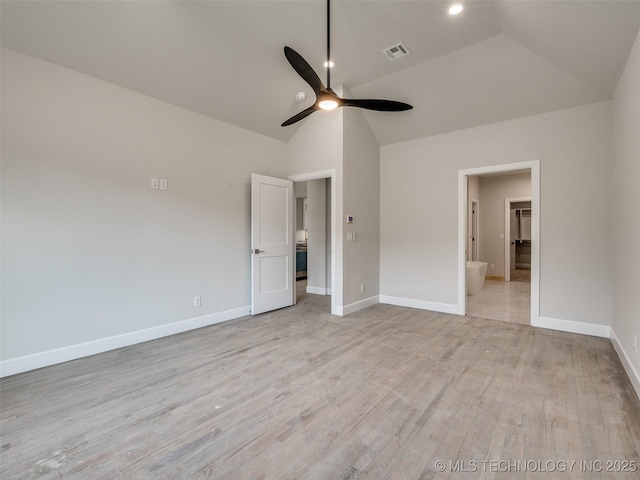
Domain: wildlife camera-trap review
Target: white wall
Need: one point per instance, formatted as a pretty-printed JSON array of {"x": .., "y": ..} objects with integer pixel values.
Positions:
[
  {"x": 493, "y": 191},
  {"x": 328, "y": 226},
  {"x": 317, "y": 147},
  {"x": 626, "y": 215},
  {"x": 89, "y": 250},
  {"x": 419, "y": 209},
  {"x": 342, "y": 140},
  {"x": 362, "y": 201}
]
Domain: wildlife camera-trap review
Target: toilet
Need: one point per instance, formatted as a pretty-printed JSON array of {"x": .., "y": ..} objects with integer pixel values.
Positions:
[{"x": 476, "y": 272}]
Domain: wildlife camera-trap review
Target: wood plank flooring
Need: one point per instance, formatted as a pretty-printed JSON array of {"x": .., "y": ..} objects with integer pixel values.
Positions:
[{"x": 384, "y": 393}]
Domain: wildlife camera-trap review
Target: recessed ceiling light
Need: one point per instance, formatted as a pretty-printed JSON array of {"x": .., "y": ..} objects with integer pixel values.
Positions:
[
  {"x": 455, "y": 9},
  {"x": 329, "y": 64}
]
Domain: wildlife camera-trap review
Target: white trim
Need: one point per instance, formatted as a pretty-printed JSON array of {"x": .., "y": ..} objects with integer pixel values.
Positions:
[
  {"x": 572, "y": 326},
  {"x": 318, "y": 290},
  {"x": 421, "y": 304},
  {"x": 475, "y": 247},
  {"x": 26, "y": 363},
  {"x": 319, "y": 175},
  {"x": 534, "y": 166},
  {"x": 507, "y": 233},
  {"x": 633, "y": 374},
  {"x": 336, "y": 280},
  {"x": 359, "y": 305}
]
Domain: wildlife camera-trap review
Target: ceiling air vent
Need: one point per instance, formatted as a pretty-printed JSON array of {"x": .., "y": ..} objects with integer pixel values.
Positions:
[{"x": 396, "y": 51}]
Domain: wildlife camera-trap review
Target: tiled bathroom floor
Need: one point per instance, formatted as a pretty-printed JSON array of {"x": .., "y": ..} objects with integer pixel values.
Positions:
[{"x": 498, "y": 300}]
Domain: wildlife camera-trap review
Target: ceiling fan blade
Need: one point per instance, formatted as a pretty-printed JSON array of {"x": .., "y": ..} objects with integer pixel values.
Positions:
[
  {"x": 379, "y": 105},
  {"x": 301, "y": 66},
  {"x": 296, "y": 118}
]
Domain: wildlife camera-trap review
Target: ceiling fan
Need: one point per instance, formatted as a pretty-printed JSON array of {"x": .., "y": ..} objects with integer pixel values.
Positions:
[{"x": 326, "y": 98}]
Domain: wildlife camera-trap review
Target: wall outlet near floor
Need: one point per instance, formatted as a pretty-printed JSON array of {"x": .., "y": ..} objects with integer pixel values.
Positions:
[
  {"x": 492, "y": 266},
  {"x": 197, "y": 301},
  {"x": 362, "y": 287},
  {"x": 635, "y": 343}
]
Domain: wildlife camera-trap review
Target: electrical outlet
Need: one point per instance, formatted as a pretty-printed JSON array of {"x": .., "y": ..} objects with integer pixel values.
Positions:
[
  {"x": 197, "y": 301},
  {"x": 635, "y": 343},
  {"x": 492, "y": 266},
  {"x": 362, "y": 286},
  {"x": 164, "y": 184}
]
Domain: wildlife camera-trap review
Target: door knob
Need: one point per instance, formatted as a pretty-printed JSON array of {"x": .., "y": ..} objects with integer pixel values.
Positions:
[{"x": 257, "y": 250}]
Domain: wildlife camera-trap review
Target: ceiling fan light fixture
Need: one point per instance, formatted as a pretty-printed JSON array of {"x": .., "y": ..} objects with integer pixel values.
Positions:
[
  {"x": 326, "y": 99},
  {"x": 328, "y": 104},
  {"x": 456, "y": 9}
]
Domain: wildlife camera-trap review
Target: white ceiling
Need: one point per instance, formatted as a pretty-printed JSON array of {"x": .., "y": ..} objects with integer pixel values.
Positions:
[{"x": 498, "y": 60}]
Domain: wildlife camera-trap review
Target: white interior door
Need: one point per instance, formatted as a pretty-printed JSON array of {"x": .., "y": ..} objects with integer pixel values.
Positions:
[{"x": 272, "y": 247}]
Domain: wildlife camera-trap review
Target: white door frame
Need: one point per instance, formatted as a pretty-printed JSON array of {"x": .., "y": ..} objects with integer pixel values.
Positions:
[
  {"x": 534, "y": 167},
  {"x": 336, "y": 280},
  {"x": 475, "y": 225},
  {"x": 507, "y": 233}
]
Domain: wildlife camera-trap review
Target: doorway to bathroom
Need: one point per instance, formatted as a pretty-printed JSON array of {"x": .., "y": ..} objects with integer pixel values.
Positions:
[{"x": 499, "y": 205}]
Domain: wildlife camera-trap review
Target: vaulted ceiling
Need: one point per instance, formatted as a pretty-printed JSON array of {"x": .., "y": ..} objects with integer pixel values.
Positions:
[{"x": 498, "y": 60}]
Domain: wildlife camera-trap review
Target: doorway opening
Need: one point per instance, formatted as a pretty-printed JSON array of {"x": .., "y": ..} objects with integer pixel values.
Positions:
[
  {"x": 487, "y": 241},
  {"x": 315, "y": 234},
  {"x": 517, "y": 240}
]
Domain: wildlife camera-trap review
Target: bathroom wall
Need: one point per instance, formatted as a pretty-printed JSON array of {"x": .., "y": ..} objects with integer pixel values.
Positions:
[{"x": 493, "y": 191}]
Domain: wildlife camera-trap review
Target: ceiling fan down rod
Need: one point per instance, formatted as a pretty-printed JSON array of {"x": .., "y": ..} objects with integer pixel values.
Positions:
[{"x": 328, "y": 44}]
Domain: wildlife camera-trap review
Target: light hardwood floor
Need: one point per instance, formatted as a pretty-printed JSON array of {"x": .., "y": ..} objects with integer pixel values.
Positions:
[{"x": 384, "y": 393}]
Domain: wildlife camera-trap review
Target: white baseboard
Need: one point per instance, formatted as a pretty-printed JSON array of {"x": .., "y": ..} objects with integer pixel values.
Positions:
[
  {"x": 359, "y": 305},
  {"x": 317, "y": 290},
  {"x": 26, "y": 363},
  {"x": 421, "y": 304},
  {"x": 633, "y": 374},
  {"x": 572, "y": 326}
]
